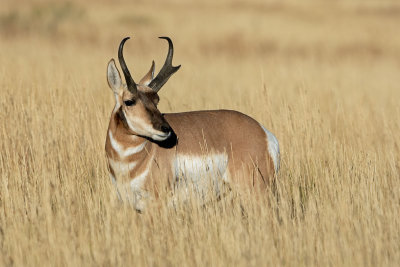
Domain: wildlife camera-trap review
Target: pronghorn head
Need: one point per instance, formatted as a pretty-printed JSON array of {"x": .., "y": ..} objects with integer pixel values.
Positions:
[{"x": 136, "y": 104}]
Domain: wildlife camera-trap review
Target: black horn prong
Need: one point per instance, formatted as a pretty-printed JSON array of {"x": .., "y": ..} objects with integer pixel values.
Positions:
[
  {"x": 128, "y": 78},
  {"x": 167, "y": 70}
]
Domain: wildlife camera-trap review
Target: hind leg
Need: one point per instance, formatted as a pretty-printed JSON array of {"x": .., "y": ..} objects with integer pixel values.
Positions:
[{"x": 250, "y": 175}]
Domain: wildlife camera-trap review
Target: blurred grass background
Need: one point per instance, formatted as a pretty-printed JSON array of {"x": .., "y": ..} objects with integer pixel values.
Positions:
[{"x": 323, "y": 76}]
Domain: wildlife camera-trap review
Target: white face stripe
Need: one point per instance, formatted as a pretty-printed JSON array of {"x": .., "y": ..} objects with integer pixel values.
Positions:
[
  {"x": 125, "y": 152},
  {"x": 143, "y": 128},
  {"x": 139, "y": 122},
  {"x": 273, "y": 148}
]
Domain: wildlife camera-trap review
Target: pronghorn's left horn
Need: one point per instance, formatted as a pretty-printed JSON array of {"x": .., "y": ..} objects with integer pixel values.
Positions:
[
  {"x": 128, "y": 78},
  {"x": 167, "y": 70}
]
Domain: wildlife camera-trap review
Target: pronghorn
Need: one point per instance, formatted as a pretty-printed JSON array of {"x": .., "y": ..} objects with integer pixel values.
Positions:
[{"x": 147, "y": 150}]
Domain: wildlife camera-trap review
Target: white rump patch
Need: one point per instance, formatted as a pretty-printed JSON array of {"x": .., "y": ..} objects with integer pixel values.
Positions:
[{"x": 273, "y": 148}]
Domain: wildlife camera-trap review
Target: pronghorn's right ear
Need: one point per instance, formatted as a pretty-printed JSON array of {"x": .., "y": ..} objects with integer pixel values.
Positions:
[
  {"x": 149, "y": 76},
  {"x": 113, "y": 77}
]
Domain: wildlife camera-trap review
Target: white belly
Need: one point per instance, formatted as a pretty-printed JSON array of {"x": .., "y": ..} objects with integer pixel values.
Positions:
[
  {"x": 204, "y": 177},
  {"x": 201, "y": 175}
]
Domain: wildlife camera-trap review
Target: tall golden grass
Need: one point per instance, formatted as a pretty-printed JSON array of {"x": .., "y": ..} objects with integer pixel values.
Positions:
[{"x": 324, "y": 76}]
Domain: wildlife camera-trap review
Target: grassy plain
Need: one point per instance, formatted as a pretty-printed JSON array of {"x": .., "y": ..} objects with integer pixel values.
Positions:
[{"x": 324, "y": 76}]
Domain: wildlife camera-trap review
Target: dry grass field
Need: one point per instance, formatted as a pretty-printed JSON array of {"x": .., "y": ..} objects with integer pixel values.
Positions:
[{"x": 323, "y": 76}]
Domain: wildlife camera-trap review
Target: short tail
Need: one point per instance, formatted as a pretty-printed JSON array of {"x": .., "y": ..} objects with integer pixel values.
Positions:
[{"x": 273, "y": 149}]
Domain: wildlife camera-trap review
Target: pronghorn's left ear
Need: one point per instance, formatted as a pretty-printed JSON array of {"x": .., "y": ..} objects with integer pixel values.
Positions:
[
  {"x": 113, "y": 77},
  {"x": 149, "y": 76}
]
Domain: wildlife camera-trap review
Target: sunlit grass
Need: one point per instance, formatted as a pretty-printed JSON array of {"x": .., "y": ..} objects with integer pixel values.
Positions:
[{"x": 323, "y": 78}]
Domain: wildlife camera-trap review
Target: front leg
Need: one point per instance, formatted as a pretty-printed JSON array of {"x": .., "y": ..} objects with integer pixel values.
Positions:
[{"x": 134, "y": 196}]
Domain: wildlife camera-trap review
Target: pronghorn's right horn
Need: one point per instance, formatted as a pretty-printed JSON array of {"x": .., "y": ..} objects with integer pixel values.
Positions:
[
  {"x": 167, "y": 70},
  {"x": 128, "y": 78}
]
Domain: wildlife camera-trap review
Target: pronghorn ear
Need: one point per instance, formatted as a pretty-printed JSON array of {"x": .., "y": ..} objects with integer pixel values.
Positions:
[
  {"x": 113, "y": 77},
  {"x": 149, "y": 76}
]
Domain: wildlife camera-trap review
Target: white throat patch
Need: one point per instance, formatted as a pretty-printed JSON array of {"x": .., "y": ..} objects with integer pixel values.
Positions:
[{"x": 122, "y": 152}]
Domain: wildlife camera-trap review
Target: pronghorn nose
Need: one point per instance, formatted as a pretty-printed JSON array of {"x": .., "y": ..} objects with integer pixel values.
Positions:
[{"x": 165, "y": 128}]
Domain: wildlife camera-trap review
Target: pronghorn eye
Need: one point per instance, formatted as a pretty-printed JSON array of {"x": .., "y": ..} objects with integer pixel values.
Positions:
[{"x": 130, "y": 102}]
